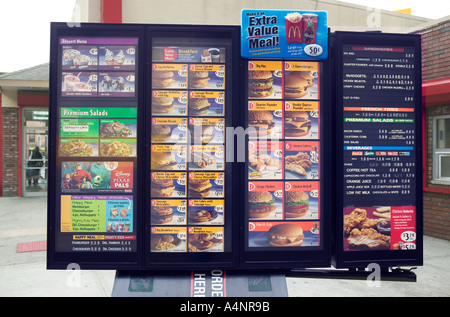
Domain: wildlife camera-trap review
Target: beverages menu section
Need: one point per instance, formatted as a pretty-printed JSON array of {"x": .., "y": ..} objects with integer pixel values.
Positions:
[
  {"x": 97, "y": 144},
  {"x": 379, "y": 148},
  {"x": 187, "y": 149},
  {"x": 283, "y": 177}
]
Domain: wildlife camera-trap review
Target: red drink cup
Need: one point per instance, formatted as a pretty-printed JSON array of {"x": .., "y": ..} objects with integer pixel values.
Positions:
[
  {"x": 294, "y": 28},
  {"x": 309, "y": 28}
]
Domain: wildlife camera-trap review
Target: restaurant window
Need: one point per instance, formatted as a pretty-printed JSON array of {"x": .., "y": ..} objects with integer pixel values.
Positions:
[{"x": 441, "y": 150}]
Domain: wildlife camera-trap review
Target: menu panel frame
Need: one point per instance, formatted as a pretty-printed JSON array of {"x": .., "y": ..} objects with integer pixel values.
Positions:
[
  {"x": 256, "y": 249},
  {"x": 189, "y": 45},
  {"x": 115, "y": 198},
  {"x": 409, "y": 108}
]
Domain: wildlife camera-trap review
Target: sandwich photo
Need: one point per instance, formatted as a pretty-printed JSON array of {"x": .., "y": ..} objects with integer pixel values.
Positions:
[
  {"x": 260, "y": 83},
  {"x": 198, "y": 106},
  {"x": 162, "y": 104},
  {"x": 162, "y": 187},
  {"x": 162, "y": 161},
  {"x": 285, "y": 235},
  {"x": 295, "y": 86},
  {"x": 161, "y": 133},
  {"x": 296, "y": 204},
  {"x": 160, "y": 215},
  {"x": 198, "y": 79},
  {"x": 199, "y": 188},
  {"x": 201, "y": 159},
  {"x": 201, "y": 134},
  {"x": 260, "y": 204},
  {"x": 162, "y": 79},
  {"x": 260, "y": 123},
  {"x": 296, "y": 123}
]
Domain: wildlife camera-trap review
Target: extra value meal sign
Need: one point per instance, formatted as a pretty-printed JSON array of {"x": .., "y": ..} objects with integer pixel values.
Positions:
[{"x": 284, "y": 34}]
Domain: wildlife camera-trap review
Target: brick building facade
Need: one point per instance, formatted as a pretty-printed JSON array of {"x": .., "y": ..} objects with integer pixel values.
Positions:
[
  {"x": 436, "y": 124},
  {"x": 10, "y": 162}
]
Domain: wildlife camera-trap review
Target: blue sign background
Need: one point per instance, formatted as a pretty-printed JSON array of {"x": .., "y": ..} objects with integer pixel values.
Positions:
[{"x": 263, "y": 35}]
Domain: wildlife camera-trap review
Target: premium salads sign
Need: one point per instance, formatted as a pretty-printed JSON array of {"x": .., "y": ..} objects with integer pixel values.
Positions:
[{"x": 284, "y": 34}]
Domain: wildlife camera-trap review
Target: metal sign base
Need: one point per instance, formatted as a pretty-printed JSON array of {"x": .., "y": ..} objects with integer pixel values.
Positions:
[{"x": 212, "y": 283}]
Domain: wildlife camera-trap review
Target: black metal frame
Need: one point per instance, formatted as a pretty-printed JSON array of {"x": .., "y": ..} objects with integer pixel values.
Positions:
[{"x": 388, "y": 258}]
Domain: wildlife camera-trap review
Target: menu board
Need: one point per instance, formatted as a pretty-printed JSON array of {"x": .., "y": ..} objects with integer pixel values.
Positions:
[
  {"x": 96, "y": 145},
  {"x": 188, "y": 206},
  {"x": 380, "y": 147},
  {"x": 283, "y": 200}
]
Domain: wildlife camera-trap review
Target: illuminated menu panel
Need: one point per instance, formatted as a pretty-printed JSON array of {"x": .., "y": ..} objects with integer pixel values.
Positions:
[
  {"x": 284, "y": 179},
  {"x": 97, "y": 139},
  {"x": 188, "y": 207},
  {"x": 379, "y": 148}
]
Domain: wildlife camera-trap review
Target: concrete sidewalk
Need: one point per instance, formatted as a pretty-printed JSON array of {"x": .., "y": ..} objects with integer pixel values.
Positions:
[{"x": 25, "y": 275}]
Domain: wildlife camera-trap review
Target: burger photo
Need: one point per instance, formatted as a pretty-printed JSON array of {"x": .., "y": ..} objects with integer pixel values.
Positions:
[
  {"x": 285, "y": 235},
  {"x": 296, "y": 204},
  {"x": 199, "y": 188},
  {"x": 161, "y": 215},
  {"x": 260, "y": 204},
  {"x": 198, "y": 79},
  {"x": 162, "y": 79},
  {"x": 295, "y": 86},
  {"x": 296, "y": 123},
  {"x": 201, "y": 134},
  {"x": 162, "y": 161},
  {"x": 260, "y": 122},
  {"x": 162, "y": 187},
  {"x": 309, "y": 79},
  {"x": 260, "y": 83},
  {"x": 161, "y": 133},
  {"x": 162, "y": 104},
  {"x": 198, "y": 106}
]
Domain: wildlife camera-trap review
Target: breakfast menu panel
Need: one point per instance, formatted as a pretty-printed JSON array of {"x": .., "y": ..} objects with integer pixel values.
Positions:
[
  {"x": 283, "y": 180},
  {"x": 379, "y": 147},
  {"x": 97, "y": 138},
  {"x": 187, "y": 150}
]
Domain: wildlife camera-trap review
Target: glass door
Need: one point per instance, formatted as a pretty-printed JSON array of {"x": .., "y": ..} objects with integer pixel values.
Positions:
[{"x": 35, "y": 152}]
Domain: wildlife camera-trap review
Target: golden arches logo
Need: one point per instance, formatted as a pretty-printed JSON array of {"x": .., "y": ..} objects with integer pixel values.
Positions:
[{"x": 294, "y": 30}]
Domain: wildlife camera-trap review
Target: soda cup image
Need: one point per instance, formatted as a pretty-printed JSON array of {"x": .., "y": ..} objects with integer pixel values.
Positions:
[
  {"x": 309, "y": 22},
  {"x": 294, "y": 28}
]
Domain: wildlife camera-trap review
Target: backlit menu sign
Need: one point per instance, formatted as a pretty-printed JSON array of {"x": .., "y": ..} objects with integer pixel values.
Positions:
[
  {"x": 94, "y": 140},
  {"x": 380, "y": 146}
]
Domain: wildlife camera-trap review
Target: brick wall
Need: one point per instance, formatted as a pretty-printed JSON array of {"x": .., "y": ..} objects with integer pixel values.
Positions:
[
  {"x": 436, "y": 51},
  {"x": 11, "y": 150},
  {"x": 435, "y": 65}
]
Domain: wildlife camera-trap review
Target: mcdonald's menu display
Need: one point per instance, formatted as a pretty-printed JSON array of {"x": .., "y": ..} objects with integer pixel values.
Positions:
[
  {"x": 283, "y": 207},
  {"x": 379, "y": 150},
  {"x": 145, "y": 174},
  {"x": 284, "y": 34},
  {"x": 188, "y": 208},
  {"x": 97, "y": 144}
]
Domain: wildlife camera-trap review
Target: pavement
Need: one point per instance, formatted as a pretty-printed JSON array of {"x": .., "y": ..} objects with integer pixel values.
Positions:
[{"x": 24, "y": 274}]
